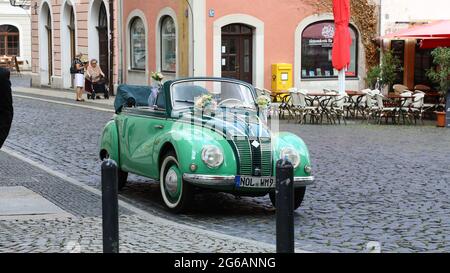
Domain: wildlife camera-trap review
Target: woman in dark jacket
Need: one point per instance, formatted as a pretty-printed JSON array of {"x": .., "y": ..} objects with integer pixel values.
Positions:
[{"x": 6, "y": 107}]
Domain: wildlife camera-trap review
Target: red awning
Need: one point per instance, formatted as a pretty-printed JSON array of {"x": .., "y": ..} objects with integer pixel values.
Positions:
[
  {"x": 438, "y": 29},
  {"x": 435, "y": 42},
  {"x": 342, "y": 39},
  {"x": 432, "y": 35}
]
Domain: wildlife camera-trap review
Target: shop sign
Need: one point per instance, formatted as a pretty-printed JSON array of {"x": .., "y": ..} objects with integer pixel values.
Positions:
[
  {"x": 327, "y": 34},
  {"x": 321, "y": 42}
]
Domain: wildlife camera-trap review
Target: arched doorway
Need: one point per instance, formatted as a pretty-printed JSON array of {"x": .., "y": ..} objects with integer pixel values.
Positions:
[
  {"x": 46, "y": 45},
  {"x": 9, "y": 40},
  {"x": 68, "y": 43},
  {"x": 98, "y": 35},
  {"x": 103, "y": 41},
  {"x": 237, "y": 52}
]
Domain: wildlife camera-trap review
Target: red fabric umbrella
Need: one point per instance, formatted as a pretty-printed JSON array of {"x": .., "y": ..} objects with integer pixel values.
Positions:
[{"x": 342, "y": 39}]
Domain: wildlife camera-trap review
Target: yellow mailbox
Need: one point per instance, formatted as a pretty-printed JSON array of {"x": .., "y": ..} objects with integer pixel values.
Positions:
[{"x": 281, "y": 77}]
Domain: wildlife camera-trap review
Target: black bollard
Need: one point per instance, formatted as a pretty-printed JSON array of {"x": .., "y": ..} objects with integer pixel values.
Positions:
[
  {"x": 110, "y": 207},
  {"x": 284, "y": 199}
]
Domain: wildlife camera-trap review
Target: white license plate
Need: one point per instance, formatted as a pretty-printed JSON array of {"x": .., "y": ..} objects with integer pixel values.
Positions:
[{"x": 255, "y": 182}]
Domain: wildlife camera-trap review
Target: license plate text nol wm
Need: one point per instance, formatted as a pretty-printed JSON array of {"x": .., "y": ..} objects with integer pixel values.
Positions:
[{"x": 255, "y": 182}]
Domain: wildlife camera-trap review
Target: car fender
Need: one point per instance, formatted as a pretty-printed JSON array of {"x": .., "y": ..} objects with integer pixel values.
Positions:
[
  {"x": 109, "y": 141},
  {"x": 285, "y": 139},
  {"x": 188, "y": 147}
]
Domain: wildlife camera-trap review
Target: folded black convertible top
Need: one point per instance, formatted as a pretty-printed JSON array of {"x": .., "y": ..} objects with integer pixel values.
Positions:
[{"x": 131, "y": 95}]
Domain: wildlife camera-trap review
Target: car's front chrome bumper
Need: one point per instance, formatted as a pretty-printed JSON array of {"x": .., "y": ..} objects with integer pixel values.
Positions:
[{"x": 229, "y": 180}]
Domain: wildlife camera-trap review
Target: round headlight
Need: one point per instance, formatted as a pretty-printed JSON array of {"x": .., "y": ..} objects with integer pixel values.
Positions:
[
  {"x": 212, "y": 156},
  {"x": 291, "y": 155}
]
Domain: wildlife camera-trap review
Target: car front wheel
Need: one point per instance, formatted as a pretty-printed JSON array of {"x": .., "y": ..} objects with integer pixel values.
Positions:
[
  {"x": 177, "y": 194},
  {"x": 299, "y": 194}
]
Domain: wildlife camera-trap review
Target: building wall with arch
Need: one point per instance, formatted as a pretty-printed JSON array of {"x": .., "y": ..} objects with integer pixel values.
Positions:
[
  {"x": 151, "y": 12},
  {"x": 20, "y": 19},
  {"x": 85, "y": 36},
  {"x": 280, "y": 27}
]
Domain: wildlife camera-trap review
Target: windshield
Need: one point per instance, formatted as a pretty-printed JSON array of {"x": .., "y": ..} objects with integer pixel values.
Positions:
[{"x": 224, "y": 94}]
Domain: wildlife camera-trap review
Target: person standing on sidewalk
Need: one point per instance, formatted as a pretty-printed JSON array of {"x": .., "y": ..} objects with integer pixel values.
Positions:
[
  {"x": 78, "y": 71},
  {"x": 6, "y": 106}
]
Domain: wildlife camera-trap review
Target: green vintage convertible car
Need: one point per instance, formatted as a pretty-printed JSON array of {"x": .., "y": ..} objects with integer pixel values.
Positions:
[{"x": 202, "y": 133}]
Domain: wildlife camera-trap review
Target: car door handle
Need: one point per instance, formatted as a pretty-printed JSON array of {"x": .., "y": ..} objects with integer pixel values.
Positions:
[{"x": 159, "y": 126}]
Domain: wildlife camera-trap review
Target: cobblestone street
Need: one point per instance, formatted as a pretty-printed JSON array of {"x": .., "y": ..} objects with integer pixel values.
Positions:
[
  {"x": 373, "y": 183},
  {"x": 82, "y": 230}
]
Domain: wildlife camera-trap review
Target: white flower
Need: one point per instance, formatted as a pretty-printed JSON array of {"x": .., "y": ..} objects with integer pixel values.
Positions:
[
  {"x": 205, "y": 102},
  {"x": 263, "y": 101}
]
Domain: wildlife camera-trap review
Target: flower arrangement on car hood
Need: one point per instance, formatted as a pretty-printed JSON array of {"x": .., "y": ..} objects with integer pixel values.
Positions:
[
  {"x": 263, "y": 101},
  {"x": 206, "y": 102},
  {"x": 157, "y": 76}
]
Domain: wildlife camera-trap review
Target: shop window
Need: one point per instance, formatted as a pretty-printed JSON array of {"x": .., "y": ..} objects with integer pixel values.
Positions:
[
  {"x": 423, "y": 63},
  {"x": 317, "y": 45},
  {"x": 9, "y": 40},
  {"x": 168, "y": 45},
  {"x": 398, "y": 52},
  {"x": 137, "y": 44}
]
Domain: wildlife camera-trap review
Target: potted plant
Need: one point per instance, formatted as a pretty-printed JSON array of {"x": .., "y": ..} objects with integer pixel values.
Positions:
[
  {"x": 385, "y": 74},
  {"x": 441, "y": 76}
]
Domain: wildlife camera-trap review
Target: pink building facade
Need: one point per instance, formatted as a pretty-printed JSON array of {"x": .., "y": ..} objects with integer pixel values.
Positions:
[
  {"x": 233, "y": 38},
  {"x": 63, "y": 28}
]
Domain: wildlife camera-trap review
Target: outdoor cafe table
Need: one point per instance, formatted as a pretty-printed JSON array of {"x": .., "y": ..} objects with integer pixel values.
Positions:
[
  {"x": 323, "y": 99},
  {"x": 322, "y": 94},
  {"x": 5, "y": 61}
]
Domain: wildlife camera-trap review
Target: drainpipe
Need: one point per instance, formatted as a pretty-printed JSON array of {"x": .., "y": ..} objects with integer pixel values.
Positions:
[
  {"x": 111, "y": 47},
  {"x": 193, "y": 37},
  {"x": 119, "y": 41}
]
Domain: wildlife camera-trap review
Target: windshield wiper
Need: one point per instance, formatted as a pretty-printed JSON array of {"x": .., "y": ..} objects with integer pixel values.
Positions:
[
  {"x": 188, "y": 101},
  {"x": 238, "y": 106}
]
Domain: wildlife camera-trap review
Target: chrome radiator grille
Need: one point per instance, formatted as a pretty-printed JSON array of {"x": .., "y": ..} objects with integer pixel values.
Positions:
[
  {"x": 253, "y": 158},
  {"x": 266, "y": 157}
]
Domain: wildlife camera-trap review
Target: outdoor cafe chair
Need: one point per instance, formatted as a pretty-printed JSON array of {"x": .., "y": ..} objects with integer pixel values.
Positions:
[
  {"x": 338, "y": 107},
  {"x": 416, "y": 109},
  {"x": 422, "y": 88},
  {"x": 426, "y": 107},
  {"x": 399, "y": 88},
  {"x": 370, "y": 107},
  {"x": 380, "y": 111},
  {"x": 287, "y": 107},
  {"x": 298, "y": 106},
  {"x": 326, "y": 109},
  {"x": 359, "y": 105},
  {"x": 306, "y": 107},
  {"x": 405, "y": 106}
]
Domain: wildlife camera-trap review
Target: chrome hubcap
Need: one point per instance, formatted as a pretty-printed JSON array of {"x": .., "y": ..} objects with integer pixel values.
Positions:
[{"x": 172, "y": 182}]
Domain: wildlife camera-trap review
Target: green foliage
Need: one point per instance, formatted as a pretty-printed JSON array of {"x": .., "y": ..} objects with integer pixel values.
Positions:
[
  {"x": 441, "y": 74},
  {"x": 372, "y": 75},
  {"x": 390, "y": 65},
  {"x": 387, "y": 71}
]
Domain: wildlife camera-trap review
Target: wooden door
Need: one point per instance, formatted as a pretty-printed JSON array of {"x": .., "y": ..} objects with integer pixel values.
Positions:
[
  {"x": 237, "y": 55},
  {"x": 50, "y": 55},
  {"x": 104, "y": 49},
  {"x": 103, "y": 42}
]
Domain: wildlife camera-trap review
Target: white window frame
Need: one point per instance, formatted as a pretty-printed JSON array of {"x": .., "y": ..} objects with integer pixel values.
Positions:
[{"x": 163, "y": 13}]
